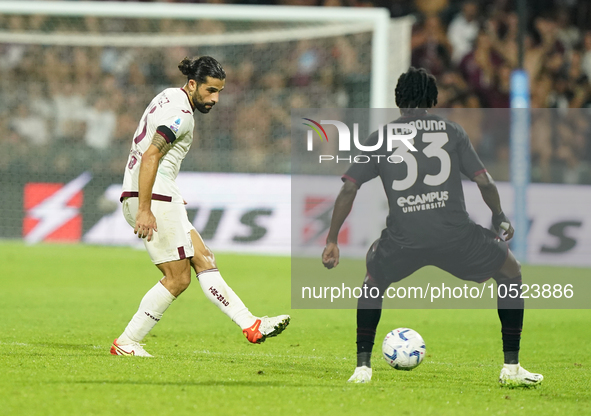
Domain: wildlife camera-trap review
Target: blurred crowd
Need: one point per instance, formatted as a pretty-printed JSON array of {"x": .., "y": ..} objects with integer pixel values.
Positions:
[
  {"x": 473, "y": 52},
  {"x": 80, "y": 98},
  {"x": 65, "y": 100}
]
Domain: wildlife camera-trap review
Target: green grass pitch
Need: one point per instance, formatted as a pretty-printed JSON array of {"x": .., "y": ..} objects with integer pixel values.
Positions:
[{"x": 62, "y": 306}]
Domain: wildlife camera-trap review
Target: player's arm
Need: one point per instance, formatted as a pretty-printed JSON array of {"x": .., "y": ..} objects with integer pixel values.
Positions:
[
  {"x": 145, "y": 222},
  {"x": 472, "y": 167},
  {"x": 342, "y": 208},
  {"x": 490, "y": 195}
]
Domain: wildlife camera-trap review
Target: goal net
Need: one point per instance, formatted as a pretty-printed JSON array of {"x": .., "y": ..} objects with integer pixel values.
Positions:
[{"x": 76, "y": 77}]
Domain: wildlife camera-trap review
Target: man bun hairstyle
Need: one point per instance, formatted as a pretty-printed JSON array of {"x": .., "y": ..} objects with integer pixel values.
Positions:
[
  {"x": 200, "y": 68},
  {"x": 416, "y": 88}
]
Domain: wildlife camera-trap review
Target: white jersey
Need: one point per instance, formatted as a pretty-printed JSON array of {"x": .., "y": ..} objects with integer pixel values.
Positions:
[{"x": 171, "y": 111}]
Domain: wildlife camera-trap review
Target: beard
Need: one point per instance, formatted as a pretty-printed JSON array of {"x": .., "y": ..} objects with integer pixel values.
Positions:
[{"x": 202, "y": 107}]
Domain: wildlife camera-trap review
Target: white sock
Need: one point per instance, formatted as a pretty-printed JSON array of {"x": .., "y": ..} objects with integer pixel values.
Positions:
[
  {"x": 151, "y": 309},
  {"x": 222, "y": 295},
  {"x": 513, "y": 368}
]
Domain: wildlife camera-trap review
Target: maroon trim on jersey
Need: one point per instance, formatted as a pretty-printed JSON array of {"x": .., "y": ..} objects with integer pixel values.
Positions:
[
  {"x": 141, "y": 136},
  {"x": 163, "y": 198},
  {"x": 349, "y": 178},
  {"x": 163, "y": 136},
  {"x": 479, "y": 172},
  {"x": 181, "y": 252},
  {"x": 155, "y": 197},
  {"x": 188, "y": 98},
  {"x": 166, "y": 133}
]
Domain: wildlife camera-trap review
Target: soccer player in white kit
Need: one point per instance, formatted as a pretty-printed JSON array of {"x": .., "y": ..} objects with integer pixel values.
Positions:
[{"x": 154, "y": 207}]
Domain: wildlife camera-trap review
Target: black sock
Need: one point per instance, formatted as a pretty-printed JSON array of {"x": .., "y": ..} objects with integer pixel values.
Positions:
[
  {"x": 367, "y": 323},
  {"x": 511, "y": 357},
  {"x": 364, "y": 359},
  {"x": 510, "y": 309}
]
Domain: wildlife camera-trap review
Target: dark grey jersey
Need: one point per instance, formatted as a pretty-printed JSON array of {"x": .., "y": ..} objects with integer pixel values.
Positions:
[{"x": 425, "y": 194}]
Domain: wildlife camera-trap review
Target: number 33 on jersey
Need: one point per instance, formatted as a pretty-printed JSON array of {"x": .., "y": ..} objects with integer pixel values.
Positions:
[{"x": 426, "y": 187}]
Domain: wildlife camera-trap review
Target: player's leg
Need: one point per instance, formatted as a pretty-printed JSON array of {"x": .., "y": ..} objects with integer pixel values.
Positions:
[
  {"x": 255, "y": 329},
  {"x": 510, "y": 307},
  {"x": 215, "y": 287},
  {"x": 478, "y": 257},
  {"x": 169, "y": 250},
  {"x": 386, "y": 264},
  {"x": 177, "y": 276},
  {"x": 369, "y": 312}
]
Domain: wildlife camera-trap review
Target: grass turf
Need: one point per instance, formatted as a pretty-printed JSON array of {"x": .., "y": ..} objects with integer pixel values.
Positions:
[{"x": 63, "y": 305}]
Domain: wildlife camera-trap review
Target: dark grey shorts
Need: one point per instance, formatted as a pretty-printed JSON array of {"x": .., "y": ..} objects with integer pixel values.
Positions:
[{"x": 475, "y": 258}]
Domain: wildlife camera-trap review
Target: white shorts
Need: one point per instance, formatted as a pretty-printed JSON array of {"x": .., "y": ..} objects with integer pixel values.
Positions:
[{"x": 172, "y": 241}]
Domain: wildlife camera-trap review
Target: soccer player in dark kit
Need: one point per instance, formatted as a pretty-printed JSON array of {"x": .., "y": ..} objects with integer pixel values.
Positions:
[{"x": 435, "y": 231}]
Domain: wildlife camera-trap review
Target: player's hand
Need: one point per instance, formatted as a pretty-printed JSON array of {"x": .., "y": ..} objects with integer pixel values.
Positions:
[
  {"x": 501, "y": 222},
  {"x": 145, "y": 224},
  {"x": 330, "y": 255}
]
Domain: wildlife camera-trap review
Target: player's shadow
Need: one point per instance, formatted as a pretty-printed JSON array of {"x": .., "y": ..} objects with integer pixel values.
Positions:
[
  {"x": 48, "y": 349},
  {"x": 204, "y": 383},
  {"x": 65, "y": 346}
]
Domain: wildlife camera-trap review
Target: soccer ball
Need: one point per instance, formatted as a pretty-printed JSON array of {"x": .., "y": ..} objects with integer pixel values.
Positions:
[{"x": 403, "y": 349}]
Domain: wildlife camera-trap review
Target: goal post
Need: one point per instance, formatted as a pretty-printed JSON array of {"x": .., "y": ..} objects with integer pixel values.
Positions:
[
  {"x": 93, "y": 66},
  {"x": 377, "y": 20}
]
